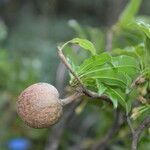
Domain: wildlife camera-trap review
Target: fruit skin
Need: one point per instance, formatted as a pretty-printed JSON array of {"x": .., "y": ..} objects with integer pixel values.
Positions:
[{"x": 39, "y": 105}]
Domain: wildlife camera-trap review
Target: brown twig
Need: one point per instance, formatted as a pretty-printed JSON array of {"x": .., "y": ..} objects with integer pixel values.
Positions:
[
  {"x": 101, "y": 145},
  {"x": 71, "y": 98},
  {"x": 84, "y": 89},
  {"x": 130, "y": 124},
  {"x": 96, "y": 95},
  {"x": 137, "y": 133},
  {"x": 63, "y": 59}
]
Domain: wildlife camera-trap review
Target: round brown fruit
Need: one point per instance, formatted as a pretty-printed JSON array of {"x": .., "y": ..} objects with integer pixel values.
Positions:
[{"x": 39, "y": 105}]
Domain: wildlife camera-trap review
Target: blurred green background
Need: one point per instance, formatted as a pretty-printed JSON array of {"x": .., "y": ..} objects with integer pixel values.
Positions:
[{"x": 29, "y": 33}]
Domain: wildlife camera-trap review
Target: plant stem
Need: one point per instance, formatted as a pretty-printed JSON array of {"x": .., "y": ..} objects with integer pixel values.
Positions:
[
  {"x": 130, "y": 125},
  {"x": 71, "y": 98},
  {"x": 137, "y": 133},
  {"x": 84, "y": 89},
  {"x": 62, "y": 57}
]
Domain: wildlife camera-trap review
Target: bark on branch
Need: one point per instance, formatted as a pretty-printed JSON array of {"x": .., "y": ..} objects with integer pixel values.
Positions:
[{"x": 137, "y": 133}]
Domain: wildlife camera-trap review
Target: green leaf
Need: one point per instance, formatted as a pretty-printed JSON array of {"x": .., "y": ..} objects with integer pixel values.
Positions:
[
  {"x": 144, "y": 27},
  {"x": 129, "y": 12},
  {"x": 113, "y": 80},
  {"x": 147, "y": 43},
  {"x": 116, "y": 95},
  {"x": 101, "y": 87},
  {"x": 119, "y": 75},
  {"x": 109, "y": 75},
  {"x": 127, "y": 65},
  {"x": 94, "y": 62},
  {"x": 129, "y": 51},
  {"x": 87, "y": 45},
  {"x": 113, "y": 97},
  {"x": 129, "y": 82},
  {"x": 107, "y": 79}
]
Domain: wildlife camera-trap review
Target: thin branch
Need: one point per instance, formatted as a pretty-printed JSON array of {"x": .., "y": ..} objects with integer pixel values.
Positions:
[
  {"x": 96, "y": 95},
  {"x": 71, "y": 98},
  {"x": 101, "y": 145},
  {"x": 138, "y": 132},
  {"x": 62, "y": 57},
  {"x": 130, "y": 124},
  {"x": 84, "y": 90}
]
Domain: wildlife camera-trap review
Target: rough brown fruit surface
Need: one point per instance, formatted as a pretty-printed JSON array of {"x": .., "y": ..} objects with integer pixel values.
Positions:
[{"x": 39, "y": 105}]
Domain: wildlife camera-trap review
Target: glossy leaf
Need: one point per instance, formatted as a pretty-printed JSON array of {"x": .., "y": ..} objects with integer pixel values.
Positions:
[
  {"x": 93, "y": 62},
  {"x": 87, "y": 45},
  {"x": 144, "y": 27},
  {"x": 101, "y": 87},
  {"x": 106, "y": 74}
]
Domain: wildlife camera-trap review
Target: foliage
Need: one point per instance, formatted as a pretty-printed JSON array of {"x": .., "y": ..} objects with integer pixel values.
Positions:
[
  {"x": 121, "y": 71},
  {"x": 112, "y": 75}
]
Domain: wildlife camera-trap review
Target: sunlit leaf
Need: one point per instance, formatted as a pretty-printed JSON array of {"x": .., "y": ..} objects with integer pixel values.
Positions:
[
  {"x": 144, "y": 27},
  {"x": 87, "y": 45},
  {"x": 116, "y": 97},
  {"x": 101, "y": 87},
  {"x": 106, "y": 74},
  {"x": 94, "y": 62}
]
